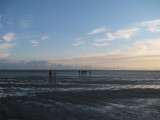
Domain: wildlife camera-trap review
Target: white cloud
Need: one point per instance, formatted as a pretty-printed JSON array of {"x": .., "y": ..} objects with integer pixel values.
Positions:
[
  {"x": 124, "y": 33},
  {"x": 101, "y": 39},
  {"x": 152, "y": 26},
  {"x": 6, "y": 46},
  {"x": 44, "y": 37},
  {"x": 100, "y": 44},
  {"x": 144, "y": 54},
  {"x": 78, "y": 42},
  {"x": 3, "y": 55},
  {"x": 98, "y": 30},
  {"x": 4, "y": 49},
  {"x": 34, "y": 42},
  {"x": 149, "y": 47},
  {"x": 9, "y": 37}
]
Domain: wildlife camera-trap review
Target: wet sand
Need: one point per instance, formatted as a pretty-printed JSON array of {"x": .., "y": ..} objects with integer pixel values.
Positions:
[{"x": 132, "y": 104}]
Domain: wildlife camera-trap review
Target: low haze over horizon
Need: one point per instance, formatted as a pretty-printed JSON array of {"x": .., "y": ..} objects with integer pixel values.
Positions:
[{"x": 80, "y": 34}]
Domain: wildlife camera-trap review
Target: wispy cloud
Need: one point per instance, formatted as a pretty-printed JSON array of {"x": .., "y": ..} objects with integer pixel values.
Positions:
[
  {"x": 78, "y": 42},
  {"x": 145, "y": 54},
  {"x": 7, "y": 44},
  {"x": 100, "y": 44},
  {"x": 101, "y": 39},
  {"x": 9, "y": 37},
  {"x": 98, "y": 30},
  {"x": 35, "y": 64},
  {"x": 44, "y": 37},
  {"x": 34, "y": 42},
  {"x": 124, "y": 33},
  {"x": 152, "y": 26},
  {"x": 5, "y": 48},
  {"x": 3, "y": 55}
]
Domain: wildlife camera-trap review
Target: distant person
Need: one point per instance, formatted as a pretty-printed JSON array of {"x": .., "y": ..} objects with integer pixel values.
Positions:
[
  {"x": 50, "y": 75},
  {"x": 82, "y": 72},
  {"x": 90, "y": 72},
  {"x": 79, "y": 72},
  {"x": 85, "y": 71}
]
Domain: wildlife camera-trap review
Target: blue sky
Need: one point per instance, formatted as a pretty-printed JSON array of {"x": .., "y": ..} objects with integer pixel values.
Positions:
[{"x": 97, "y": 34}]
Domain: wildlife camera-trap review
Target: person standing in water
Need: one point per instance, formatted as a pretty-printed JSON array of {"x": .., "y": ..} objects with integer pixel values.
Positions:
[
  {"x": 90, "y": 72},
  {"x": 50, "y": 75}
]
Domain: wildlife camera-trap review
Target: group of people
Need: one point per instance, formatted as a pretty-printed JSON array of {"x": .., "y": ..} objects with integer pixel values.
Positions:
[
  {"x": 51, "y": 74},
  {"x": 84, "y": 72},
  {"x": 81, "y": 72}
]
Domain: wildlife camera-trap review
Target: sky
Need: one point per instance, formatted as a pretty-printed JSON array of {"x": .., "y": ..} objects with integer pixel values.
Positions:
[{"x": 80, "y": 34}]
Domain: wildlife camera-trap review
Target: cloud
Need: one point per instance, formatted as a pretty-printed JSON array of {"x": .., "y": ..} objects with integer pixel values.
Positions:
[
  {"x": 5, "y": 46},
  {"x": 101, "y": 39},
  {"x": 34, "y": 42},
  {"x": 36, "y": 65},
  {"x": 44, "y": 37},
  {"x": 98, "y": 30},
  {"x": 152, "y": 26},
  {"x": 9, "y": 37},
  {"x": 144, "y": 54},
  {"x": 100, "y": 44},
  {"x": 3, "y": 55},
  {"x": 4, "y": 49},
  {"x": 78, "y": 42},
  {"x": 124, "y": 33}
]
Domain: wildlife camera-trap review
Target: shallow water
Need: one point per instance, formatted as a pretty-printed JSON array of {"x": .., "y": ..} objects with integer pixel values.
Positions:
[
  {"x": 30, "y": 82},
  {"x": 113, "y": 95}
]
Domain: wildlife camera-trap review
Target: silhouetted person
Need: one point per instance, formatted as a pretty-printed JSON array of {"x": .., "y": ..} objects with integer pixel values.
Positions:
[
  {"x": 79, "y": 72},
  {"x": 85, "y": 72},
  {"x": 50, "y": 75},
  {"x": 90, "y": 72},
  {"x": 82, "y": 72}
]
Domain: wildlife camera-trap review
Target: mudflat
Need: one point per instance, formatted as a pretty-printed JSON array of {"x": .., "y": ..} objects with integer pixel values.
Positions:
[{"x": 127, "y": 104}]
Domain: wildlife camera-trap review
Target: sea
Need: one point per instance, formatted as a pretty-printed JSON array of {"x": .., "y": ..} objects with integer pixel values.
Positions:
[
  {"x": 101, "y": 94},
  {"x": 28, "y": 82}
]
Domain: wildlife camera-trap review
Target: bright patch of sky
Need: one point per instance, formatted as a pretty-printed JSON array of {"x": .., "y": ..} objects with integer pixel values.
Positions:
[{"x": 100, "y": 34}]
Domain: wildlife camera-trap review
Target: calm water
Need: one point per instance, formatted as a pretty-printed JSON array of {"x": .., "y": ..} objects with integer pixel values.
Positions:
[{"x": 29, "y": 82}]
